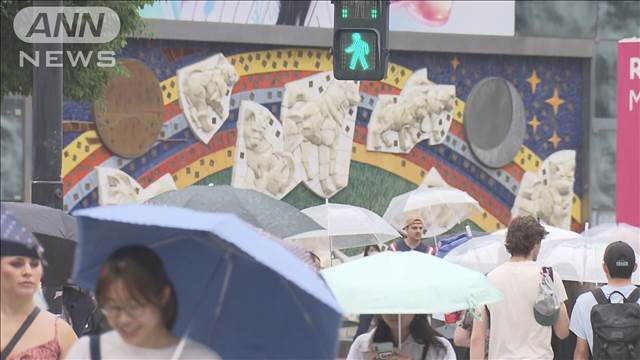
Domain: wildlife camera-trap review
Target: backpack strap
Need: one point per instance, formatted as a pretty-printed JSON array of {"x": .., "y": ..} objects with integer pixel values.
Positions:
[
  {"x": 94, "y": 347},
  {"x": 18, "y": 335},
  {"x": 424, "y": 352},
  {"x": 599, "y": 295},
  {"x": 633, "y": 296}
]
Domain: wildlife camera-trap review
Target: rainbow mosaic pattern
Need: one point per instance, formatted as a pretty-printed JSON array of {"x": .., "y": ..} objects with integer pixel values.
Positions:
[{"x": 551, "y": 89}]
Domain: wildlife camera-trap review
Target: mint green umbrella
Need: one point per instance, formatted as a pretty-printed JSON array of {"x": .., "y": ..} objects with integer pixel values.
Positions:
[{"x": 407, "y": 283}]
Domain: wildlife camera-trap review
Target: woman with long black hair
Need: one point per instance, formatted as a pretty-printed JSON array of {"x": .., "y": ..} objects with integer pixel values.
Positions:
[{"x": 419, "y": 341}]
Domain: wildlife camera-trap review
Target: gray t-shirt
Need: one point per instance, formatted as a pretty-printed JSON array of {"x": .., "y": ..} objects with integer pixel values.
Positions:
[
  {"x": 581, "y": 314},
  {"x": 112, "y": 346}
]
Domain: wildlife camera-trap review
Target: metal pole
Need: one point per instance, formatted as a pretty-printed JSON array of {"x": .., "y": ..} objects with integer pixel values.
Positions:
[{"x": 46, "y": 184}]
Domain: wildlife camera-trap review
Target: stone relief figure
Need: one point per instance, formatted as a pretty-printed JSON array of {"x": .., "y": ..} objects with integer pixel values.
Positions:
[
  {"x": 117, "y": 187},
  {"x": 319, "y": 121},
  {"x": 260, "y": 163},
  {"x": 205, "y": 89},
  {"x": 548, "y": 194},
  {"x": 422, "y": 111}
]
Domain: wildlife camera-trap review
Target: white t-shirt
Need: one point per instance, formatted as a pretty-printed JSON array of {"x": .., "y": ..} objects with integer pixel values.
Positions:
[
  {"x": 514, "y": 332},
  {"x": 362, "y": 346},
  {"x": 112, "y": 346},
  {"x": 581, "y": 314}
]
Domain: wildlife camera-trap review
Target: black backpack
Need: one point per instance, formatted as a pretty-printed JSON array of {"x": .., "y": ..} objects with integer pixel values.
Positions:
[{"x": 616, "y": 327}]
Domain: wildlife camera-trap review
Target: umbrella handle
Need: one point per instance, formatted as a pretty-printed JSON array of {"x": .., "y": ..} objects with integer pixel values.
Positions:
[
  {"x": 473, "y": 305},
  {"x": 399, "y": 333}
]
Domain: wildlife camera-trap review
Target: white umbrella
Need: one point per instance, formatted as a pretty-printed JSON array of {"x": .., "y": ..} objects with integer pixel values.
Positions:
[
  {"x": 581, "y": 259},
  {"x": 441, "y": 208},
  {"x": 346, "y": 226},
  {"x": 485, "y": 253}
]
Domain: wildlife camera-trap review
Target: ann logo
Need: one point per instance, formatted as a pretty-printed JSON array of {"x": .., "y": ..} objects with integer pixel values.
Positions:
[
  {"x": 74, "y": 28},
  {"x": 74, "y": 24}
]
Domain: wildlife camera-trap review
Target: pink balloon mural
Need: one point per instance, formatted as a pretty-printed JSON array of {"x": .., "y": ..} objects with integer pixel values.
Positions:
[{"x": 432, "y": 13}]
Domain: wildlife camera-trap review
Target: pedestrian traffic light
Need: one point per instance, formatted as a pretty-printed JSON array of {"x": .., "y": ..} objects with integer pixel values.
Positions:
[{"x": 360, "y": 45}]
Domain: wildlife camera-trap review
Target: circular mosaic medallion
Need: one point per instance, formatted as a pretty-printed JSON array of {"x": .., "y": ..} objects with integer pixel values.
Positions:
[
  {"x": 129, "y": 113},
  {"x": 494, "y": 122}
]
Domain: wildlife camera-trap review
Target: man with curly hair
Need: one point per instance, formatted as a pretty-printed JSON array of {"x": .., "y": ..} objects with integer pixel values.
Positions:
[{"x": 514, "y": 331}]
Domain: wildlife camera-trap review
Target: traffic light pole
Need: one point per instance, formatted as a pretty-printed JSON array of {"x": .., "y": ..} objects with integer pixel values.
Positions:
[{"x": 46, "y": 184}]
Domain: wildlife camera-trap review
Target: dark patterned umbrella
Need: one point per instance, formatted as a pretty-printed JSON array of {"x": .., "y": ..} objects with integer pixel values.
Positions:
[
  {"x": 15, "y": 235},
  {"x": 55, "y": 230},
  {"x": 272, "y": 215}
]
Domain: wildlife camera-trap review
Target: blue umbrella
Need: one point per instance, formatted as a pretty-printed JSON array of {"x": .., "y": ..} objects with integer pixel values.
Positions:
[{"x": 241, "y": 294}]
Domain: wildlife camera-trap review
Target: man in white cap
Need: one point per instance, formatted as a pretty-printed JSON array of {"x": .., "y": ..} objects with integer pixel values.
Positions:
[{"x": 413, "y": 229}]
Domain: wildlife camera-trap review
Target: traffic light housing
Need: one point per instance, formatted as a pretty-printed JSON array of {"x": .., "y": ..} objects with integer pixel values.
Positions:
[{"x": 360, "y": 39}]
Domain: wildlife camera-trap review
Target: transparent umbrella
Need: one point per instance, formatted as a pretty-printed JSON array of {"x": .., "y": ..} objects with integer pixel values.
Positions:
[
  {"x": 580, "y": 259},
  {"x": 345, "y": 226},
  {"x": 441, "y": 208},
  {"x": 485, "y": 253}
]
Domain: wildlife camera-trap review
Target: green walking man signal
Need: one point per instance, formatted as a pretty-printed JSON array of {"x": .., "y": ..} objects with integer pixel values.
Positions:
[
  {"x": 358, "y": 50},
  {"x": 360, "y": 39}
]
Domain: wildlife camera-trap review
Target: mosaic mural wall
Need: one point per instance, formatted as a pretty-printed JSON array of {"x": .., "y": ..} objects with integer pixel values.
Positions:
[{"x": 550, "y": 88}]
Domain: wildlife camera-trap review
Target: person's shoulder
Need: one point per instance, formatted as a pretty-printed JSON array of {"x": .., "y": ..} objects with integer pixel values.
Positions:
[
  {"x": 444, "y": 341},
  {"x": 79, "y": 349},
  {"x": 363, "y": 341},
  {"x": 364, "y": 338},
  {"x": 63, "y": 326},
  {"x": 499, "y": 270},
  {"x": 396, "y": 245},
  {"x": 82, "y": 341},
  {"x": 360, "y": 346},
  {"x": 48, "y": 316},
  {"x": 52, "y": 320},
  {"x": 449, "y": 351},
  {"x": 195, "y": 350},
  {"x": 585, "y": 298}
]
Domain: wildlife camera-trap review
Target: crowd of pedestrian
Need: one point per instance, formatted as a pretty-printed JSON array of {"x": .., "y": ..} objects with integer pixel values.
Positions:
[
  {"x": 523, "y": 324},
  {"x": 137, "y": 299}
]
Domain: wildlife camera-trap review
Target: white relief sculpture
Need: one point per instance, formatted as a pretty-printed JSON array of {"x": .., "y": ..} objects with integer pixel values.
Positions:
[
  {"x": 117, "y": 187},
  {"x": 548, "y": 194},
  {"x": 422, "y": 111},
  {"x": 205, "y": 92},
  {"x": 319, "y": 114},
  {"x": 260, "y": 162}
]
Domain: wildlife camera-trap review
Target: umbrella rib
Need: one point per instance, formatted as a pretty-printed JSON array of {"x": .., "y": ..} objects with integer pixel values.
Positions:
[
  {"x": 306, "y": 315},
  {"x": 225, "y": 286}
]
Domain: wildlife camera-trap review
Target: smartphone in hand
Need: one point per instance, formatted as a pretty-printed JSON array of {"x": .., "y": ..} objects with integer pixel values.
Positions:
[{"x": 383, "y": 350}]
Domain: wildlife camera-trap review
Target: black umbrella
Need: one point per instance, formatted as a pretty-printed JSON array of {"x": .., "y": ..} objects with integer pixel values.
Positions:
[
  {"x": 272, "y": 215},
  {"x": 56, "y": 231}
]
